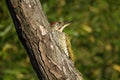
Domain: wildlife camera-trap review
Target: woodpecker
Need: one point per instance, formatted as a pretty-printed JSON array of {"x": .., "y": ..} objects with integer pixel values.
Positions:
[
  {"x": 62, "y": 39},
  {"x": 59, "y": 26}
]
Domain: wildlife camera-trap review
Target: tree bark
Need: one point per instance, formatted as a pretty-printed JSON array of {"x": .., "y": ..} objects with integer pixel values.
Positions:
[{"x": 33, "y": 29}]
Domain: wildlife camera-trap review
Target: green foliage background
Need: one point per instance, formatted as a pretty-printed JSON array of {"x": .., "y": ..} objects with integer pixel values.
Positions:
[{"x": 94, "y": 32}]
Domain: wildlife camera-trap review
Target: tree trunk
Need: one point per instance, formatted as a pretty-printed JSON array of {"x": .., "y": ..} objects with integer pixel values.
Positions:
[{"x": 48, "y": 59}]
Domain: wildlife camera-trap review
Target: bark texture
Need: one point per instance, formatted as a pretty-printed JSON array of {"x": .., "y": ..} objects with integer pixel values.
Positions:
[{"x": 48, "y": 59}]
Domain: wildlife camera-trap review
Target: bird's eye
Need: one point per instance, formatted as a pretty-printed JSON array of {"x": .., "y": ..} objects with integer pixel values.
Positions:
[{"x": 56, "y": 24}]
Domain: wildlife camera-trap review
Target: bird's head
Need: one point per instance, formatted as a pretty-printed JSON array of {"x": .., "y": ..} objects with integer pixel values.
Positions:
[{"x": 59, "y": 26}]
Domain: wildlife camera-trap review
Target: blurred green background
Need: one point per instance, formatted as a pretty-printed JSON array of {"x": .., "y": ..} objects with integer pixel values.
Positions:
[{"x": 95, "y": 39}]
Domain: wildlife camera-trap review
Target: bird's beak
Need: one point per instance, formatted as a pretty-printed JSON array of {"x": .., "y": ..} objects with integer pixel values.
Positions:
[{"x": 64, "y": 26}]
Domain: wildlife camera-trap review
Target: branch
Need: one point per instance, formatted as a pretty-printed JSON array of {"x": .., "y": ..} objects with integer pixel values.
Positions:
[{"x": 48, "y": 59}]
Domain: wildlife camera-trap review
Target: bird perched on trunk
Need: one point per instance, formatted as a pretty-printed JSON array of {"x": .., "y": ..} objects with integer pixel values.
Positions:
[{"x": 62, "y": 39}]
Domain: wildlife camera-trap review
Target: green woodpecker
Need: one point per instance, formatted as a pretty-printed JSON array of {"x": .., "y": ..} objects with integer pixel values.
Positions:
[{"x": 62, "y": 39}]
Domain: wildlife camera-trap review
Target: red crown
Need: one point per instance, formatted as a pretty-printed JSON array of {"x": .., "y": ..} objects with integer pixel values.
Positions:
[{"x": 55, "y": 23}]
